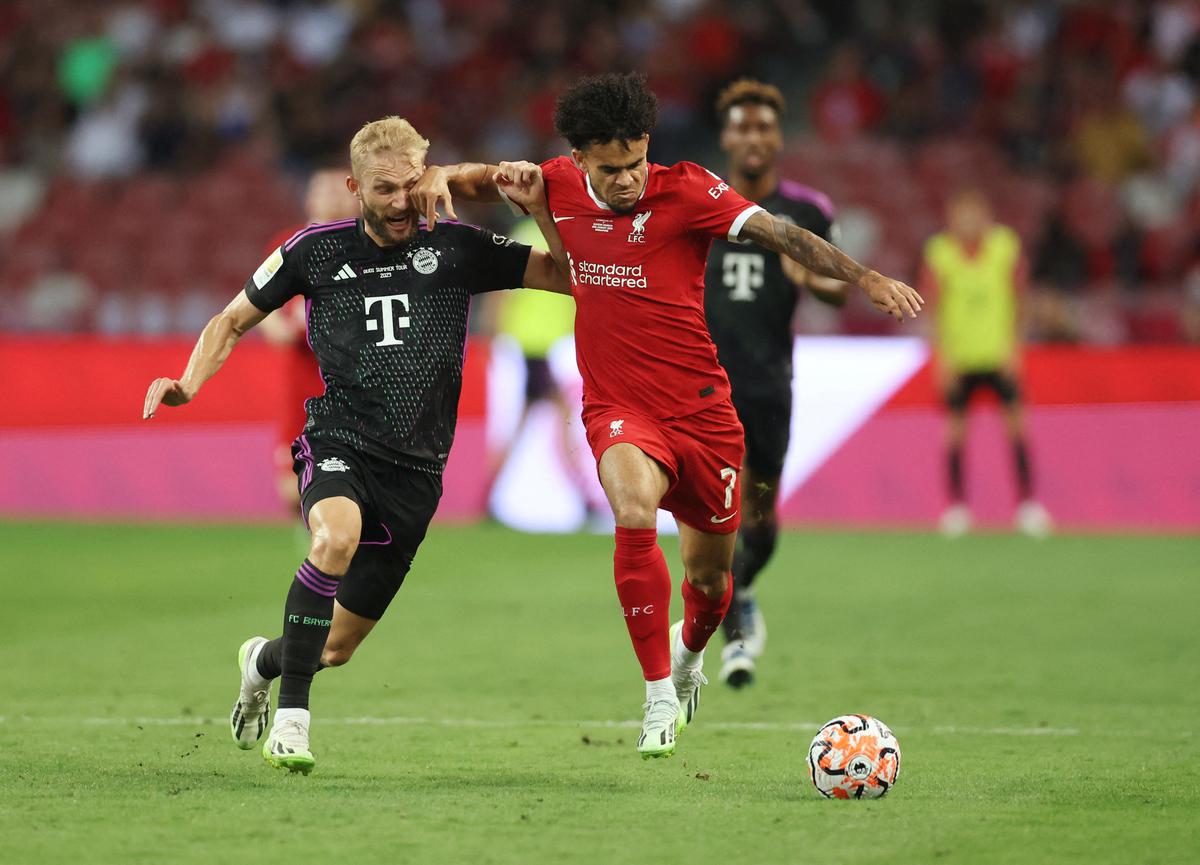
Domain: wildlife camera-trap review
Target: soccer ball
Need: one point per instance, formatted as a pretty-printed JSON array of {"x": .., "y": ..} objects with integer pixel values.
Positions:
[{"x": 854, "y": 757}]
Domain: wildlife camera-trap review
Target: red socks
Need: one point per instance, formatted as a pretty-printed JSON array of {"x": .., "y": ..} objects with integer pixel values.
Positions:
[
  {"x": 702, "y": 615},
  {"x": 644, "y": 589}
]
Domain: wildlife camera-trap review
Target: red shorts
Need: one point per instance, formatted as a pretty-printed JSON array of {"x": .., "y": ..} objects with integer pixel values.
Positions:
[{"x": 701, "y": 453}]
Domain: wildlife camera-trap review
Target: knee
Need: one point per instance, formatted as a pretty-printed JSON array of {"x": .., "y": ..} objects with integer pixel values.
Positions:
[
  {"x": 332, "y": 549},
  {"x": 336, "y": 654},
  {"x": 707, "y": 574},
  {"x": 710, "y": 581},
  {"x": 635, "y": 512}
]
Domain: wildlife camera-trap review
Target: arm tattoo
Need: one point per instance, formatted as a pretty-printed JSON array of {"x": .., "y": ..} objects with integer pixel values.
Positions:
[{"x": 802, "y": 246}]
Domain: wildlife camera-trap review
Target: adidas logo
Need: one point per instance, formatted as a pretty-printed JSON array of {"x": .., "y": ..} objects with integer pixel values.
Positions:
[{"x": 344, "y": 273}]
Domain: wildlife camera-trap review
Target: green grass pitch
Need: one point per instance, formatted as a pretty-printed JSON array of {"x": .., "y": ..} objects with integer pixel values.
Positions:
[{"x": 1045, "y": 695}]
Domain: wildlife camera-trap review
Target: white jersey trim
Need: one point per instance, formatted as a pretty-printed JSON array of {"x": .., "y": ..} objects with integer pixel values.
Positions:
[
  {"x": 736, "y": 228},
  {"x": 517, "y": 210}
]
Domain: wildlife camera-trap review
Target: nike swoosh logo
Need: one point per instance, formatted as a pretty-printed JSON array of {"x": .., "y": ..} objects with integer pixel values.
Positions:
[
  {"x": 724, "y": 519},
  {"x": 562, "y": 218}
]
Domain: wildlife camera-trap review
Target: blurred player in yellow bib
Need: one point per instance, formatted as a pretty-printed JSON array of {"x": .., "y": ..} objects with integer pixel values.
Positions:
[{"x": 978, "y": 273}]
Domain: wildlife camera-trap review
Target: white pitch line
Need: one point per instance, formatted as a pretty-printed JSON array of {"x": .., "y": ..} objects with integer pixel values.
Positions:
[{"x": 519, "y": 723}]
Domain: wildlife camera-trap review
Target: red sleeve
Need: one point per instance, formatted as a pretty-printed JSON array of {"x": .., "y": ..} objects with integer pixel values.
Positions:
[
  {"x": 553, "y": 171},
  {"x": 712, "y": 207}
]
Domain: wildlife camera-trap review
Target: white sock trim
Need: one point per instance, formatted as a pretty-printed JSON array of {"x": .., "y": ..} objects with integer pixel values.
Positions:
[
  {"x": 255, "y": 677},
  {"x": 301, "y": 715},
  {"x": 660, "y": 689},
  {"x": 684, "y": 658}
]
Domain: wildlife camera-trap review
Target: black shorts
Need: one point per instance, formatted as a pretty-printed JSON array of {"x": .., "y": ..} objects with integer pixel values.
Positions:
[
  {"x": 768, "y": 424},
  {"x": 396, "y": 502},
  {"x": 539, "y": 380},
  {"x": 965, "y": 384}
]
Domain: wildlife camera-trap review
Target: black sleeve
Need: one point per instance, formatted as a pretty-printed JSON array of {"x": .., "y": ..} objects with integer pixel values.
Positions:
[
  {"x": 277, "y": 280},
  {"x": 811, "y": 217},
  {"x": 493, "y": 262}
]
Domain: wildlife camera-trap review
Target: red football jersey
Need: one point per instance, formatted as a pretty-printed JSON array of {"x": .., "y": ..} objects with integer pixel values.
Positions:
[{"x": 638, "y": 280}]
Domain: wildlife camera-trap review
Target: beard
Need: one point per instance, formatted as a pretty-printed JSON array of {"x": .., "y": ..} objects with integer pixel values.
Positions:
[
  {"x": 753, "y": 172},
  {"x": 378, "y": 224}
]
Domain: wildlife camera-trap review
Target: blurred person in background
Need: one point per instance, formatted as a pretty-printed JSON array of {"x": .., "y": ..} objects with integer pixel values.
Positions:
[
  {"x": 976, "y": 272},
  {"x": 326, "y": 200},
  {"x": 750, "y": 297}
]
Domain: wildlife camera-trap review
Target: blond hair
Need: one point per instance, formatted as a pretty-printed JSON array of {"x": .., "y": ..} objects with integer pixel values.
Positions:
[{"x": 393, "y": 134}]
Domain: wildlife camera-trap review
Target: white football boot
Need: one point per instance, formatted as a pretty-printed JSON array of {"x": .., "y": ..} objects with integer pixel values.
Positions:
[
  {"x": 252, "y": 711},
  {"x": 658, "y": 728},
  {"x": 1033, "y": 519},
  {"x": 737, "y": 665},
  {"x": 287, "y": 744},
  {"x": 688, "y": 679},
  {"x": 955, "y": 521}
]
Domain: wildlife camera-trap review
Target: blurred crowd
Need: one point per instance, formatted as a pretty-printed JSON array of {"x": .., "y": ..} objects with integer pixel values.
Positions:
[{"x": 150, "y": 148}]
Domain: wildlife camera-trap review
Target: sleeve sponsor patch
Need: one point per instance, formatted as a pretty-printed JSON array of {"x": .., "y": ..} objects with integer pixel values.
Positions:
[{"x": 268, "y": 268}]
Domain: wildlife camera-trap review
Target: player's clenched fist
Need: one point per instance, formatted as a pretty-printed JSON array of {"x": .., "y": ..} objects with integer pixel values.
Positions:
[
  {"x": 164, "y": 391},
  {"x": 891, "y": 296},
  {"x": 522, "y": 183}
]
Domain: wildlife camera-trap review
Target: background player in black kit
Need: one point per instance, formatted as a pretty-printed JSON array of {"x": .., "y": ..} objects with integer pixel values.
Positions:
[
  {"x": 750, "y": 297},
  {"x": 387, "y": 320}
]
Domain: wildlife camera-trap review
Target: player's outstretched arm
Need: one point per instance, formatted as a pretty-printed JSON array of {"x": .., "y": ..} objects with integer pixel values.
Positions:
[
  {"x": 437, "y": 187},
  {"x": 825, "y": 259},
  {"x": 522, "y": 184},
  {"x": 212, "y": 349}
]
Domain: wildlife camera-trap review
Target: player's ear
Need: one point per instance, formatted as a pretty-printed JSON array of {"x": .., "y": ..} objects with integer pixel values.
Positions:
[{"x": 577, "y": 156}]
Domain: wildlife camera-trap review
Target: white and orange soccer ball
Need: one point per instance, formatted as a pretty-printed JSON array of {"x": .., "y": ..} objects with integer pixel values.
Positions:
[{"x": 854, "y": 757}]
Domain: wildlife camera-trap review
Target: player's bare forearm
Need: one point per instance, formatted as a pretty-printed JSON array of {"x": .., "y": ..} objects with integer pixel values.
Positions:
[
  {"x": 472, "y": 181},
  {"x": 561, "y": 284},
  {"x": 441, "y": 184},
  {"x": 825, "y": 259},
  {"x": 212, "y": 349},
  {"x": 802, "y": 246}
]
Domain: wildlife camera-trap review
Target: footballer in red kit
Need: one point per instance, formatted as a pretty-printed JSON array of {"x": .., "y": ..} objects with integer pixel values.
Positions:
[
  {"x": 634, "y": 239},
  {"x": 650, "y": 371}
]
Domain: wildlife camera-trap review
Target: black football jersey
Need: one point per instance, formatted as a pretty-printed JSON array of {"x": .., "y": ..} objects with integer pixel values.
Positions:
[
  {"x": 388, "y": 326},
  {"x": 748, "y": 301}
]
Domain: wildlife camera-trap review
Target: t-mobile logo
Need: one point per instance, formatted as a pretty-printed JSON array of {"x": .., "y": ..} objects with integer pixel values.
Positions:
[
  {"x": 389, "y": 315},
  {"x": 743, "y": 273}
]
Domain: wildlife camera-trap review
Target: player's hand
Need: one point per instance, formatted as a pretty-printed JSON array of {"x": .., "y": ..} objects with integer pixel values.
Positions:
[
  {"x": 431, "y": 191},
  {"x": 522, "y": 183},
  {"x": 165, "y": 391},
  {"x": 891, "y": 296}
]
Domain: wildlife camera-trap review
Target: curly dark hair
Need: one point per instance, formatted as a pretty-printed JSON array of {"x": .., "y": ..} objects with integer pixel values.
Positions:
[
  {"x": 748, "y": 91},
  {"x": 603, "y": 108}
]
